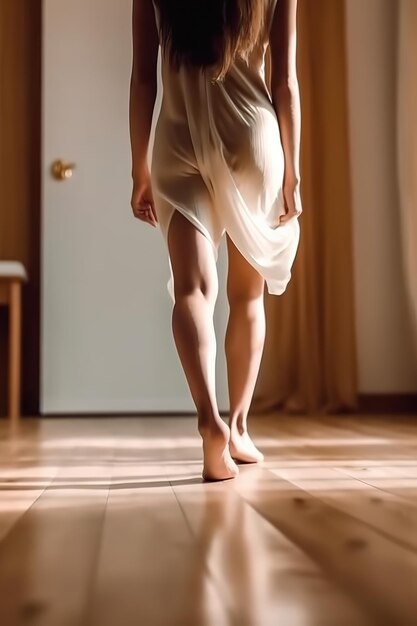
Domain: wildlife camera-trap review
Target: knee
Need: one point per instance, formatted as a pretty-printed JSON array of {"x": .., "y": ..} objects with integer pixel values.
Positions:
[{"x": 202, "y": 289}]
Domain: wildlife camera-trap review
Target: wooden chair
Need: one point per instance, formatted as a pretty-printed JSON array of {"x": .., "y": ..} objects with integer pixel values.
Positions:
[{"x": 12, "y": 274}]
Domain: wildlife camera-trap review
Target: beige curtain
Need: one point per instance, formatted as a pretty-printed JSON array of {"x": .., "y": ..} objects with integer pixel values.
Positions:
[
  {"x": 309, "y": 362},
  {"x": 20, "y": 143},
  {"x": 407, "y": 147}
]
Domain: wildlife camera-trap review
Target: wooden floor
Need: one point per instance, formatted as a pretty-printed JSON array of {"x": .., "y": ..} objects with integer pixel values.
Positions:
[{"x": 106, "y": 522}]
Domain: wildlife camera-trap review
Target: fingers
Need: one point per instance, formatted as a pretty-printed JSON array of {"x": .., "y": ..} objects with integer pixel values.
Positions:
[
  {"x": 292, "y": 207},
  {"x": 142, "y": 201},
  {"x": 153, "y": 212},
  {"x": 146, "y": 213},
  {"x": 147, "y": 219},
  {"x": 288, "y": 216}
]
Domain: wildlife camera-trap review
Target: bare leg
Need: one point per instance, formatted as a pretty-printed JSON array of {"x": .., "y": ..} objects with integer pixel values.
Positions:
[
  {"x": 245, "y": 338},
  {"x": 195, "y": 286}
]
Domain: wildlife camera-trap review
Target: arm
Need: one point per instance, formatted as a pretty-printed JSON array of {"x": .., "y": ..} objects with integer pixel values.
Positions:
[
  {"x": 286, "y": 97},
  {"x": 142, "y": 82},
  {"x": 143, "y": 88}
]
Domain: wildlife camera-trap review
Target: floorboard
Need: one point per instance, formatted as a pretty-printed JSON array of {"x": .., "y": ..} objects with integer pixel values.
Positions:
[{"x": 107, "y": 521}]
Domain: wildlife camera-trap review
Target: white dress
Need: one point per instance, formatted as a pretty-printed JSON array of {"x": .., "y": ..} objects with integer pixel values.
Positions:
[{"x": 218, "y": 159}]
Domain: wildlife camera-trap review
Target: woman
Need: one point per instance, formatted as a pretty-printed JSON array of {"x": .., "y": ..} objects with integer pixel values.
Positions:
[{"x": 225, "y": 160}]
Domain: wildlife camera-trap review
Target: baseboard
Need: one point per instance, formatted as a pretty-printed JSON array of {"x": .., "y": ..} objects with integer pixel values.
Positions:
[
  {"x": 390, "y": 403},
  {"x": 368, "y": 403}
]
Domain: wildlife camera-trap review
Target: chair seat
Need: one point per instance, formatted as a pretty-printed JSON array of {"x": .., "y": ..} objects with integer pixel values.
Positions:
[{"x": 12, "y": 269}]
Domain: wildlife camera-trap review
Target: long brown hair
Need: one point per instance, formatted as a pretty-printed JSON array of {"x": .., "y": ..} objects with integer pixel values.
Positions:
[{"x": 206, "y": 33}]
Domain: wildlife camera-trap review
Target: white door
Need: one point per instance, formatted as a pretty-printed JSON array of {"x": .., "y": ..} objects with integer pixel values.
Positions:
[{"x": 106, "y": 342}]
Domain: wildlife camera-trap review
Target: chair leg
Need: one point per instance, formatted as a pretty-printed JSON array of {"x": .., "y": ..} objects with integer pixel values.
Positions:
[{"x": 15, "y": 314}]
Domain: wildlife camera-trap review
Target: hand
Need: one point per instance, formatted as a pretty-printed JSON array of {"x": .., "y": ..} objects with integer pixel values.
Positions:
[
  {"x": 142, "y": 200},
  {"x": 292, "y": 202}
]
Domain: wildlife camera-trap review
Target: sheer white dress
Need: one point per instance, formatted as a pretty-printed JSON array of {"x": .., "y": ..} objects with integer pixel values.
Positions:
[{"x": 218, "y": 159}]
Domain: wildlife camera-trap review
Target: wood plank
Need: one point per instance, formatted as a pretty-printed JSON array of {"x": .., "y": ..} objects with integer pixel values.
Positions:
[
  {"x": 387, "y": 479},
  {"x": 48, "y": 560},
  {"x": 387, "y": 513},
  {"x": 263, "y": 577},
  {"x": 395, "y": 471},
  {"x": 379, "y": 574},
  {"x": 310, "y": 442},
  {"x": 17, "y": 494},
  {"x": 394, "y": 431},
  {"x": 150, "y": 569},
  {"x": 129, "y": 522},
  {"x": 24, "y": 475}
]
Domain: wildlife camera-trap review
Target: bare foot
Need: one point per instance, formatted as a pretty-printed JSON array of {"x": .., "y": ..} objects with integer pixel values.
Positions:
[
  {"x": 243, "y": 449},
  {"x": 218, "y": 464}
]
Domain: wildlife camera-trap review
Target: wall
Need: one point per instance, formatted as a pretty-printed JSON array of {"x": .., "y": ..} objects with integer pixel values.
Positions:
[
  {"x": 20, "y": 29},
  {"x": 386, "y": 360}
]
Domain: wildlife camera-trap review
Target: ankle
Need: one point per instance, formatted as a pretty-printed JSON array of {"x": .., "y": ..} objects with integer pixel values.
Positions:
[
  {"x": 237, "y": 426},
  {"x": 212, "y": 425}
]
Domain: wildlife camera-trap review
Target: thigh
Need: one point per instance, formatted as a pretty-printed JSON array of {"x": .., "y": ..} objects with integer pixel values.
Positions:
[
  {"x": 192, "y": 258},
  {"x": 243, "y": 280}
]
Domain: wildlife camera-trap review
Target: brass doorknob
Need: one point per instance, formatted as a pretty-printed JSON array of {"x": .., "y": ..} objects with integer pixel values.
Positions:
[{"x": 61, "y": 170}]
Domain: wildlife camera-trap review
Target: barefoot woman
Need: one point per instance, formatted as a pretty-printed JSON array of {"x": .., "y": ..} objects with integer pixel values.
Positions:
[{"x": 225, "y": 161}]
